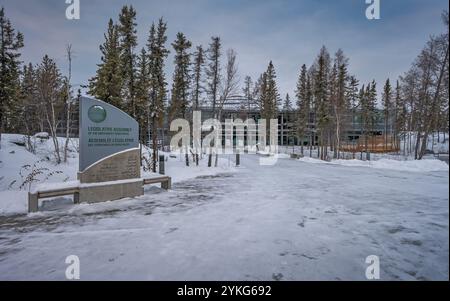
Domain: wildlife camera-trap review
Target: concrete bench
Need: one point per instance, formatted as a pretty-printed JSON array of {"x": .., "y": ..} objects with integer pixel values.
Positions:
[
  {"x": 74, "y": 189},
  {"x": 33, "y": 197},
  {"x": 166, "y": 182}
]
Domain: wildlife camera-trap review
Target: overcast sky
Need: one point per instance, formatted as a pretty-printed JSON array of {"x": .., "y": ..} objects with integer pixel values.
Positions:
[{"x": 288, "y": 32}]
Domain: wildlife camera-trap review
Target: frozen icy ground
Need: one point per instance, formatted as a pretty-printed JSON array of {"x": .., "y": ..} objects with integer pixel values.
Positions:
[{"x": 291, "y": 221}]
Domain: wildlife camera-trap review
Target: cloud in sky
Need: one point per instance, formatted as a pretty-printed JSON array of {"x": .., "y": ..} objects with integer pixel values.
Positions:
[{"x": 288, "y": 32}]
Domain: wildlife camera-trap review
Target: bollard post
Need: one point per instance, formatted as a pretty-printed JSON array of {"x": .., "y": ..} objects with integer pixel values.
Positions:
[
  {"x": 33, "y": 202},
  {"x": 162, "y": 161},
  {"x": 238, "y": 159}
]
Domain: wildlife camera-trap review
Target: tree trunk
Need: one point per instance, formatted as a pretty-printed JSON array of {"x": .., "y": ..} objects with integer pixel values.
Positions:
[
  {"x": 68, "y": 115},
  {"x": 434, "y": 105},
  {"x": 209, "y": 160},
  {"x": 154, "y": 143},
  {"x": 68, "y": 122}
]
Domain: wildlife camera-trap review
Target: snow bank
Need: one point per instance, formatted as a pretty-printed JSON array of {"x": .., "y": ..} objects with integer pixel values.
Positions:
[
  {"x": 414, "y": 165},
  {"x": 282, "y": 156},
  {"x": 14, "y": 158},
  {"x": 263, "y": 153},
  {"x": 269, "y": 154},
  {"x": 312, "y": 160},
  {"x": 12, "y": 201},
  {"x": 410, "y": 165}
]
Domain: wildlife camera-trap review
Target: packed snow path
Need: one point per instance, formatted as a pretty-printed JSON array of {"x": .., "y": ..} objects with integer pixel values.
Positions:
[{"x": 291, "y": 221}]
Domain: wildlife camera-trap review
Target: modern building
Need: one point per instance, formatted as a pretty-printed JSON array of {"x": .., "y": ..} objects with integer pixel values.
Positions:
[{"x": 353, "y": 131}]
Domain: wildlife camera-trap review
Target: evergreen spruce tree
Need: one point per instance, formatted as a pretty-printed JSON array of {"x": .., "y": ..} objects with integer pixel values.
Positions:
[
  {"x": 10, "y": 44},
  {"x": 352, "y": 93},
  {"x": 158, "y": 85},
  {"x": 181, "y": 81},
  {"x": 269, "y": 96},
  {"x": 28, "y": 117},
  {"x": 387, "y": 108},
  {"x": 213, "y": 78},
  {"x": 339, "y": 98},
  {"x": 273, "y": 97},
  {"x": 303, "y": 105},
  {"x": 248, "y": 93},
  {"x": 352, "y": 102},
  {"x": 108, "y": 81},
  {"x": 287, "y": 105},
  {"x": 334, "y": 107},
  {"x": 321, "y": 95},
  {"x": 365, "y": 116},
  {"x": 181, "y": 78},
  {"x": 213, "y": 71},
  {"x": 287, "y": 112},
  {"x": 128, "y": 42},
  {"x": 51, "y": 95},
  {"x": 372, "y": 97},
  {"x": 310, "y": 116},
  {"x": 197, "y": 87},
  {"x": 369, "y": 114},
  {"x": 142, "y": 94}
]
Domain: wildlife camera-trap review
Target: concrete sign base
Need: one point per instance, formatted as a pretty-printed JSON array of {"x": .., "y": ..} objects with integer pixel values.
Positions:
[{"x": 110, "y": 191}]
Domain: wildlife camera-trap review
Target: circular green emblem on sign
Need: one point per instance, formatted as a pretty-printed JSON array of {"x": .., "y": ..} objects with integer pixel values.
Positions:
[{"x": 97, "y": 114}]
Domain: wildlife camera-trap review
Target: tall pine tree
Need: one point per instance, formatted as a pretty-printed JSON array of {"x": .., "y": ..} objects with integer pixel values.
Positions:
[
  {"x": 248, "y": 93},
  {"x": 303, "y": 96},
  {"x": 387, "y": 108},
  {"x": 321, "y": 97},
  {"x": 108, "y": 81},
  {"x": 51, "y": 94},
  {"x": 213, "y": 71},
  {"x": 28, "y": 114},
  {"x": 338, "y": 98},
  {"x": 128, "y": 42},
  {"x": 400, "y": 114},
  {"x": 10, "y": 44},
  {"x": 142, "y": 91},
  {"x": 158, "y": 85},
  {"x": 197, "y": 87},
  {"x": 181, "y": 78},
  {"x": 269, "y": 96},
  {"x": 287, "y": 105}
]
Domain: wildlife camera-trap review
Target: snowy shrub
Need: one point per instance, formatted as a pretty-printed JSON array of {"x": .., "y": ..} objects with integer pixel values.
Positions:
[{"x": 33, "y": 173}]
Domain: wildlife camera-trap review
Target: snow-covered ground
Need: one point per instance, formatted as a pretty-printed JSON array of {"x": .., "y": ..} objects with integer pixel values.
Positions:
[
  {"x": 437, "y": 142},
  {"x": 291, "y": 221},
  {"x": 427, "y": 165},
  {"x": 13, "y": 159}
]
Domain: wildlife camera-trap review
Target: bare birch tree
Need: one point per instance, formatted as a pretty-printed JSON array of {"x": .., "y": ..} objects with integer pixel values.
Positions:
[{"x": 69, "y": 54}]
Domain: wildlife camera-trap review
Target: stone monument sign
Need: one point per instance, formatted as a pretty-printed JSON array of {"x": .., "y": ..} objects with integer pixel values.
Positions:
[{"x": 109, "y": 166}]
